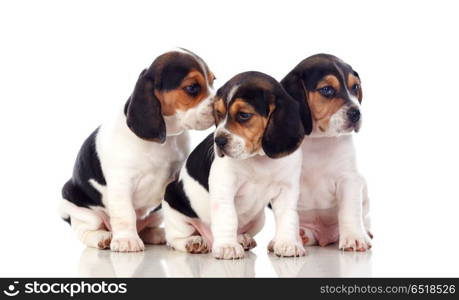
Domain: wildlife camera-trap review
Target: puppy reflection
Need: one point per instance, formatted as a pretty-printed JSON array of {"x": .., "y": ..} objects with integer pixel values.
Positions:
[
  {"x": 324, "y": 262},
  {"x": 181, "y": 264},
  {"x": 96, "y": 263},
  {"x": 161, "y": 261}
]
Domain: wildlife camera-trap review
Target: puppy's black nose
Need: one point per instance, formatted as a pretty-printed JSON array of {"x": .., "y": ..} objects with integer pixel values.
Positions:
[
  {"x": 221, "y": 141},
  {"x": 354, "y": 115}
]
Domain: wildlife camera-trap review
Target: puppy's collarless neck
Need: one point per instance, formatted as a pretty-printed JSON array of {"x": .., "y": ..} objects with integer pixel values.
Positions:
[{"x": 173, "y": 127}]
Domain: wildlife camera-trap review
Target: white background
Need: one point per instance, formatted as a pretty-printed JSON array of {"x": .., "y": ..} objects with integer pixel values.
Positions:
[{"x": 65, "y": 66}]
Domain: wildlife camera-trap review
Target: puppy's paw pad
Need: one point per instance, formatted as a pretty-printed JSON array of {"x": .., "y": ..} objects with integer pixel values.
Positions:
[
  {"x": 228, "y": 251},
  {"x": 104, "y": 242},
  {"x": 153, "y": 236},
  {"x": 286, "y": 248},
  {"x": 354, "y": 242},
  {"x": 246, "y": 241},
  {"x": 127, "y": 244},
  {"x": 196, "y": 244}
]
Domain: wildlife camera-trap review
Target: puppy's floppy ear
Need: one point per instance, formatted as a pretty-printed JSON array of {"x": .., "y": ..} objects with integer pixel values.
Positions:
[
  {"x": 221, "y": 93},
  {"x": 293, "y": 85},
  {"x": 360, "y": 88},
  {"x": 284, "y": 131},
  {"x": 360, "y": 94},
  {"x": 143, "y": 111}
]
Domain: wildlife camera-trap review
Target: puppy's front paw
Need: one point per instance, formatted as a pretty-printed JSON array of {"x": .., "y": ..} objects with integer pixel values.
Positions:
[
  {"x": 127, "y": 244},
  {"x": 228, "y": 251},
  {"x": 352, "y": 241},
  {"x": 286, "y": 248}
]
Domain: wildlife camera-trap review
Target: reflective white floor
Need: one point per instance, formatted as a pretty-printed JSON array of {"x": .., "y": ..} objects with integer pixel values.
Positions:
[
  {"x": 50, "y": 249},
  {"x": 161, "y": 261}
]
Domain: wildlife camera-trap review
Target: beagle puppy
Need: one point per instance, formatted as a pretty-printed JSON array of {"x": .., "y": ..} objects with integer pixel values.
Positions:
[
  {"x": 334, "y": 202},
  {"x": 217, "y": 203},
  {"x": 124, "y": 166}
]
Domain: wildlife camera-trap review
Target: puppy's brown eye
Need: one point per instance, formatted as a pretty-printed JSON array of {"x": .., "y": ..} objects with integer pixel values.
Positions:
[
  {"x": 243, "y": 117},
  {"x": 355, "y": 88},
  {"x": 193, "y": 89},
  {"x": 327, "y": 91}
]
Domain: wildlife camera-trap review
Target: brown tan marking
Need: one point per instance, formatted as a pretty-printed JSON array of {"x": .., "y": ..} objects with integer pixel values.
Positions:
[
  {"x": 219, "y": 110},
  {"x": 210, "y": 78},
  {"x": 330, "y": 80},
  {"x": 104, "y": 243},
  {"x": 178, "y": 99},
  {"x": 252, "y": 130},
  {"x": 323, "y": 108},
  {"x": 197, "y": 245}
]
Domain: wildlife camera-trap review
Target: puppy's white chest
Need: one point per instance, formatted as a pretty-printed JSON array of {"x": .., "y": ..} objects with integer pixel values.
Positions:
[
  {"x": 254, "y": 194},
  {"x": 150, "y": 186},
  {"x": 253, "y": 197},
  {"x": 324, "y": 160},
  {"x": 317, "y": 190},
  {"x": 161, "y": 168}
]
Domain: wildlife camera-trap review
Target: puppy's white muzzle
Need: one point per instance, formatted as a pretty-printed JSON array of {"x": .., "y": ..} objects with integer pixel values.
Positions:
[{"x": 234, "y": 147}]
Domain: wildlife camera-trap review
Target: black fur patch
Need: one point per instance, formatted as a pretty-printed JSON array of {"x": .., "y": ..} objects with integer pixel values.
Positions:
[
  {"x": 78, "y": 190},
  {"x": 284, "y": 132},
  {"x": 198, "y": 167},
  {"x": 169, "y": 69},
  {"x": 173, "y": 74},
  {"x": 292, "y": 85},
  {"x": 177, "y": 199},
  {"x": 255, "y": 97},
  {"x": 143, "y": 111},
  {"x": 199, "y": 162}
]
